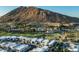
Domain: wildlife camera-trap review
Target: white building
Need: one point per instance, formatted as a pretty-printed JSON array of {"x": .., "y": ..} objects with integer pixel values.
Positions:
[
  {"x": 77, "y": 28},
  {"x": 3, "y": 44},
  {"x": 74, "y": 47},
  {"x": 45, "y": 42},
  {"x": 8, "y": 38},
  {"x": 39, "y": 40},
  {"x": 51, "y": 43},
  {"x": 22, "y": 48},
  {"x": 34, "y": 40},
  {"x": 1, "y": 50},
  {"x": 42, "y": 49},
  {"x": 10, "y": 45},
  {"x": 2, "y": 38}
]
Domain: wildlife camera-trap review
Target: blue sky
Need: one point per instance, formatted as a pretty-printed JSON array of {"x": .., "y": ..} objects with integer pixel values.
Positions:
[{"x": 67, "y": 10}]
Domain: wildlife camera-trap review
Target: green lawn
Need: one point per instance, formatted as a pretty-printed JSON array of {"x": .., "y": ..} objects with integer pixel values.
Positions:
[
  {"x": 20, "y": 34},
  {"x": 48, "y": 36},
  {"x": 38, "y": 34}
]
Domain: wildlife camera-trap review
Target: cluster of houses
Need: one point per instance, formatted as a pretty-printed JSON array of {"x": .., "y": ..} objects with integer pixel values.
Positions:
[
  {"x": 13, "y": 47},
  {"x": 27, "y": 44},
  {"x": 45, "y": 27}
]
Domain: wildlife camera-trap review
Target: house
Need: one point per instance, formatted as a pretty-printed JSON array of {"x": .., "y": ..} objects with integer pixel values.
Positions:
[
  {"x": 10, "y": 44},
  {"x": 22, "y": 48},
  {"x": 45, "y": 42},
  {"x": 52, "y": 42},
  {"x": 45, "y": 48},
  {"x": 2, "y": 38},
  {"x": 3, "y": 44},
  {"x": 21, "y": 39},
  {"x": 34, "y": 40},
  {"x": 65, "y": 44},
  {"x": 2, "y": 50},
  {"x": 24, "y": 39},
  {"x": 39, "y": 40},
  {"x": 40, "y": 29},
  {"x": 7, "y": 46},
  {"x": 77, "y": 28},
  {"x": 16, "y": 30},
  {"x": 49, "y": 31},
  {"x": 7, "y": 38},
  {"x": 27, "y": 40},
  {"x": 74, "y": 47},
  {"x": 42, "y": 49},
  {"x": 11, "y": 38}
]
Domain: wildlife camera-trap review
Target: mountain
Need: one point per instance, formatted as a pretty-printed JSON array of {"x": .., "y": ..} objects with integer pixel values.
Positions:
[
  {"x": 31, "y": 14},
  {"x": 22, "y": 16}
]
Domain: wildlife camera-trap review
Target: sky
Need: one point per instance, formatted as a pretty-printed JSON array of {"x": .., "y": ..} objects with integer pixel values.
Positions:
[{"x": 66, "y": 10}]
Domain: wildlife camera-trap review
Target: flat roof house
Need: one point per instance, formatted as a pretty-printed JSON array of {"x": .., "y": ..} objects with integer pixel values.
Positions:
[{"x": 22, "y": 48}]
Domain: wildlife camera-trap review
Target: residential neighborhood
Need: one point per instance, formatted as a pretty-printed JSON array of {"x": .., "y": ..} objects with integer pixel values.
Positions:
[
  {"x": 20, "y": 44},
  {"x": 34, "y": 29}
]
